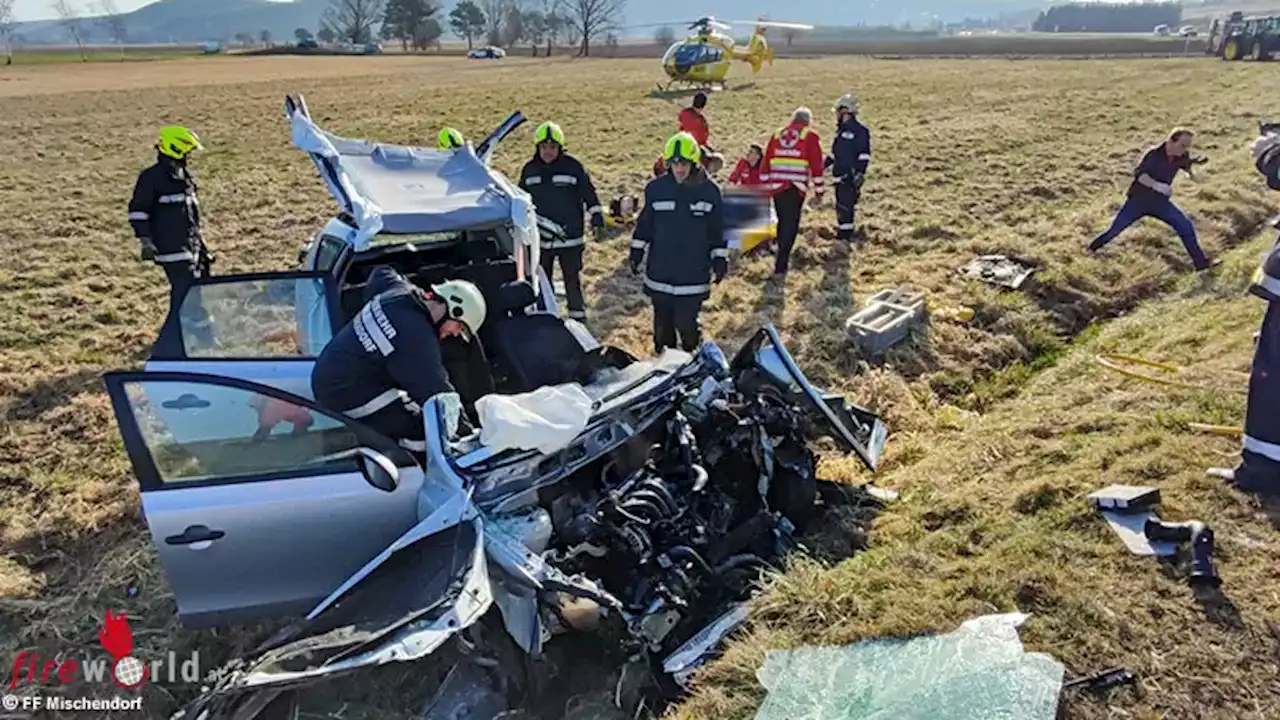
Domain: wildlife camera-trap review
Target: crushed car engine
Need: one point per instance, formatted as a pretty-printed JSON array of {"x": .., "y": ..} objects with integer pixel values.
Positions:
[{"x": 681, "y": 539}]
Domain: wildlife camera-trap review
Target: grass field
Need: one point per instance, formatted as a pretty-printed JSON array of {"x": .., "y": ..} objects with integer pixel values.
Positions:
[
  {"x": 60, "y": 55},
  {"x": 1006, "y": 44},
  {"x": 999, "y": 426}
]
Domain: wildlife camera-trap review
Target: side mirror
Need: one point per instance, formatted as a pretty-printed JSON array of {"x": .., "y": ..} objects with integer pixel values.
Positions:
[{"x": 377, "y": 468}]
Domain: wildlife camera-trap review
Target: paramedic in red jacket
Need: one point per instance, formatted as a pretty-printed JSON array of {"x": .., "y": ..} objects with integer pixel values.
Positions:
[
  {"x": 792, "y": 162},
  {"x": 693, "y": 121},
  {"x": 747, "y": 172}
]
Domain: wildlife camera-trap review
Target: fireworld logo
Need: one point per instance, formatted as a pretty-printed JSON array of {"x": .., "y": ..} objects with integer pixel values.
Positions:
[{"x": 126, "y": 671}]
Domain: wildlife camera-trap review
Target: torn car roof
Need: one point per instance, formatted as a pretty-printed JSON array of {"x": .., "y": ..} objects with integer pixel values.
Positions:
[
  {"x": 403, "y": 189},
  {"x": 421, "y": 190}
]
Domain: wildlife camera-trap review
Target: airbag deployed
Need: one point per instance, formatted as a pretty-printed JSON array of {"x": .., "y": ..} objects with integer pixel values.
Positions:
[{"x": 546, "y": 419}]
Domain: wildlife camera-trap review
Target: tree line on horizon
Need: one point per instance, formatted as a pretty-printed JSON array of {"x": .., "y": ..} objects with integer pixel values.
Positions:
[
  {"x": 419, "y": 24},
  {"x": 1108, "y": 17}
]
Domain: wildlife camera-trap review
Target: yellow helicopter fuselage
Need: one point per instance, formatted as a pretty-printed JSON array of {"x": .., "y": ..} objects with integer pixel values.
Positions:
[{"x": 705, "y": 58}]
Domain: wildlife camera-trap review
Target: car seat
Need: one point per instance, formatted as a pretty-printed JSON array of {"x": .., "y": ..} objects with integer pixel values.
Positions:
[{"x": 530, "y": 350}]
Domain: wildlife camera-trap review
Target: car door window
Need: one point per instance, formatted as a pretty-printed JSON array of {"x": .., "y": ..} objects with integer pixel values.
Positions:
[
  {"x": 328, "y": 252},
  {"x": 196, "y": 432},
  {"x": 268, "y": 316}
]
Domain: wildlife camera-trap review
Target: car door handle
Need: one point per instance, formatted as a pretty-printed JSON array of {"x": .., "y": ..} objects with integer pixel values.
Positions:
[
  {"x": 186, "y": 401},
  {"x": 194, "y": 534}
]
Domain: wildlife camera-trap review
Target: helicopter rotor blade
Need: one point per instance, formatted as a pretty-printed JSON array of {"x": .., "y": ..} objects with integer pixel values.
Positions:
[{"x": 771, "y": 23}]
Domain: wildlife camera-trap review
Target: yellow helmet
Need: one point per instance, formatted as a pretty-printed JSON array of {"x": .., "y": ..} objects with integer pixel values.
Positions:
[
  {"x": 548, "y": 131},
  {"x": 177, "y": 142},
  {"x": 682, "y": 146},
  {"x": 449, "y": 139}
]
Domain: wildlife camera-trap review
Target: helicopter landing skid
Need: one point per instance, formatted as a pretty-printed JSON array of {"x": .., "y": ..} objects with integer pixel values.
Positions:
[{"x": 686, "y": 86}]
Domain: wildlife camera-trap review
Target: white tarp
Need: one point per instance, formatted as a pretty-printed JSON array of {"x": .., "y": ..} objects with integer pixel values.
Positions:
[{"x": 545, "y": 420}]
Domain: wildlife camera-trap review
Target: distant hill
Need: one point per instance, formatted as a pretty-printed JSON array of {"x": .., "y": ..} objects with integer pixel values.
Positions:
[{"x": 192, "y": 21}]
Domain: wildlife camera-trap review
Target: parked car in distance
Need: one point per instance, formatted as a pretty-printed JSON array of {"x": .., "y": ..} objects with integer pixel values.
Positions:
[{"x": 491, "y": 52}]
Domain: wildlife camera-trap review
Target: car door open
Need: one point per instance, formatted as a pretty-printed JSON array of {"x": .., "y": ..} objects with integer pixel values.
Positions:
[
  {"x": 266, "y": 328},
  {"x": 259, "y": 503}
]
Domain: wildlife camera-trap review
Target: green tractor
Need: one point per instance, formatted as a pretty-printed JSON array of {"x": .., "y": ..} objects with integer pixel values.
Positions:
[{"x": 1257, "y": 37}]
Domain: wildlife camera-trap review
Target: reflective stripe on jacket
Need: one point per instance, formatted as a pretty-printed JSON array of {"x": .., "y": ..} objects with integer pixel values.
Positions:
[
  {"x": 561, "y": 190},
  {"x": 681, "y": 225},
  {"x": 793, "y": 157},
  {"x": 165, "y": 210}
]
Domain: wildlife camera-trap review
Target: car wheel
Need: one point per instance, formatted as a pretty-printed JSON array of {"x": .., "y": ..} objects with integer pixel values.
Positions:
[{"x": 1231, "y": 50}]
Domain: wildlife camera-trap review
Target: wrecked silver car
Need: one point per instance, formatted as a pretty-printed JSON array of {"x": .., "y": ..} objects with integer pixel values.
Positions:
[
  {"x": 645, "y": 532},
  {"x": 638, "y": 531}
]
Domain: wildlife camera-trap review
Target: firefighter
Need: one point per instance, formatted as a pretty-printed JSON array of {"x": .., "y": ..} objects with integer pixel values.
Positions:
[
  {"x": 385, "y": 364},
  {"x": 850, "y": 155},
  {"x": 1149, "y": 193},
  {"x": 165, "y": 216},
  {"x": 561, "y": 189},
  {"x": 449, "y": 139},
  {"x": 681, "y": 226},
  {"x": 1259, "y": 468},
  {"x": 792, "y": 163}
]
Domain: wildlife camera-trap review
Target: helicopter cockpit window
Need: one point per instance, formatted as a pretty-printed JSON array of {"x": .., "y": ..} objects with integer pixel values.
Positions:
[{"x": 687, "y": 56}]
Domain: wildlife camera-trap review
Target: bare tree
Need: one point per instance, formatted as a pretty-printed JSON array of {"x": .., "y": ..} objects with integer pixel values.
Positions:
[
  {"x": 496, "y": 13},
  {"x": 553, "y": 23},
  {"x": 665, "y": 36},
  {"x": 113, "y": 22},
  {"x": 353, "y": 20},
  {"x": 69, "y": 18},
  {"x": 591, "y": 19},
  {"x": 513, "y": 27},
  {"x": 6, "y": 29}
]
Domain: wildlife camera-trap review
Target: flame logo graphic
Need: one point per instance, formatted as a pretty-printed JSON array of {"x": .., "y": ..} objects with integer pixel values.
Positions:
[{"x": 117, "y": 639}]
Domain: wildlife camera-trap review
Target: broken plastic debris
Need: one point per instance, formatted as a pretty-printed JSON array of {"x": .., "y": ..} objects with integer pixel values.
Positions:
[
  {"x": 881, "y": 494},
  {"x": 980, "y": 670},
  {"x": 997, "y": 270}
]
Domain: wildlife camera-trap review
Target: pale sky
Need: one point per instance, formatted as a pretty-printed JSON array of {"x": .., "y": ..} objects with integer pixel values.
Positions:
[{"x": 43, "y": 9}]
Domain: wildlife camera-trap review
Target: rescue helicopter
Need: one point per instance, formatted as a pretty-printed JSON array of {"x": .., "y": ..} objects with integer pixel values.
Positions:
[{"x": 703, "y": 58}]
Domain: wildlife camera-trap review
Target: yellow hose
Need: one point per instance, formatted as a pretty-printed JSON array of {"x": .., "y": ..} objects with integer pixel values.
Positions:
[
  {"x": 1223, "y": 430},
  {"x": 1109, "y": 360}
]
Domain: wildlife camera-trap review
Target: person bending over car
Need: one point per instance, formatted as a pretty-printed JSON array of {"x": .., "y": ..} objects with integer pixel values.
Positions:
[
  {"x": 681, "y": 225},
  {"x": 388, "y": 361}
]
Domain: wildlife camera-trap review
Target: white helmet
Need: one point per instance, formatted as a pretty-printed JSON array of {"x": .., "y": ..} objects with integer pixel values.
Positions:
[
  {"x": 464, "y": 302},
  {"x": 848, "y": 102}
]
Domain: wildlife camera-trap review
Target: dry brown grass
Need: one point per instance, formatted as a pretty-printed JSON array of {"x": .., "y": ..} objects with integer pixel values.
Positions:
[{"x": 1021, "y": 157}]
